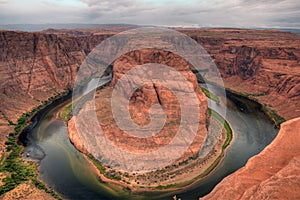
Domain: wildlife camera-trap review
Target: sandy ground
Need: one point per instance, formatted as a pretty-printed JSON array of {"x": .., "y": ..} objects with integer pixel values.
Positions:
[{"x": 26, "y": 191}]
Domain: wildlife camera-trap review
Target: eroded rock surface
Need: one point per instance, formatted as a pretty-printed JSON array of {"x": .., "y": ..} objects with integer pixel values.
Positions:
[
  {"x": 140, "y": 103},
  {"x": 36, "y": 66},
  {"x": 273, "y": 174},
  {"x": 261, "y": 64},
  {"x": 26, "y": 191}
]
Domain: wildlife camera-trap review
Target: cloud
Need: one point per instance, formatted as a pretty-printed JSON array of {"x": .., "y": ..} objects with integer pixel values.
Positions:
[
  {"x": 108, "y": 3},
  {"x": 229, "y": 13}
]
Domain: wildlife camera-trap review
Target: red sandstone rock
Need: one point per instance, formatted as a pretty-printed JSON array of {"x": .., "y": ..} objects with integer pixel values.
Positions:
[
  {"x": 263, "y": 63},
  {"x": 141, "y": 102},
  {"x": 272, "y": 174},
  {"x": 35, "y": 66}
]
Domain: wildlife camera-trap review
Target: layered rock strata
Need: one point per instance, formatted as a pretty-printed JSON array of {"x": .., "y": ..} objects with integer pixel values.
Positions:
[
  {"x": 273, "y": 174},
  {"x": 142, "y": 101},
  {"x": 262, "y": 64}
]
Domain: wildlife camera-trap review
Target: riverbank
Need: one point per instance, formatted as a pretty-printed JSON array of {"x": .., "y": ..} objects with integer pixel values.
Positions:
[
  {"x": 137, "y": 186},
  {"x": 185, "y": 174},
  {"x": 267, "y": 109},
  {"x": 269, "y": 112},
  {"x": 16, "y": 169},
  {"x": 170, "y": 188},
  {"x": 274, "y": 173},
  {"x": 173, "y": 177}
]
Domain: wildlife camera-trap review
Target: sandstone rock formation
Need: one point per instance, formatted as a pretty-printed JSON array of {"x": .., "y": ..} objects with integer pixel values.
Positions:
[
  {"x": 266, "y": 60},
  {"x": 26, "y": 191},
  {"x": 142, "y": 100},
  {"x": 273, "y": 174},
  {"x": 148, "y": 95},
  {"x": 36, "y": 66},
  {"x": 262, "y": 63}
]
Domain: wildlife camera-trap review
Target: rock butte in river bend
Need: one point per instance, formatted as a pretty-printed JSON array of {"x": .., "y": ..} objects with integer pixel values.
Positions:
[
  {"x": 36, "y": 66},
  {"x": 141, "y": 102}
]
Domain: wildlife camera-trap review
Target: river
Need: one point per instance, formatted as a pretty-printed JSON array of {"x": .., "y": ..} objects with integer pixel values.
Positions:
[{"x": 66, "y": 170}]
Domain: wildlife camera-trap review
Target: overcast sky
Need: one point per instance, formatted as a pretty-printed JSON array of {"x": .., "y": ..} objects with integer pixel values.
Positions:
[{"x": 199, "y": 13}]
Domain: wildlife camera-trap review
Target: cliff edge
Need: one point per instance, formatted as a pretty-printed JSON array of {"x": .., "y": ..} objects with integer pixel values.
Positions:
[{"x": 272, "y": 174}]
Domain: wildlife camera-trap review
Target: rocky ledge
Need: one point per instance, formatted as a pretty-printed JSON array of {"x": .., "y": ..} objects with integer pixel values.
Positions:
[{"x": 272, "y": 174}]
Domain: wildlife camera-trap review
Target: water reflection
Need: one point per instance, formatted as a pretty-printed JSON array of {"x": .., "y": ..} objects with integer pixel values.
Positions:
[{"x": 66, "y": 170}]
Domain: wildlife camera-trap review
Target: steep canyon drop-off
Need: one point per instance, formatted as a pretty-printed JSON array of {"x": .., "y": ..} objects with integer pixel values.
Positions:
[{"x": 262, "y": 64}]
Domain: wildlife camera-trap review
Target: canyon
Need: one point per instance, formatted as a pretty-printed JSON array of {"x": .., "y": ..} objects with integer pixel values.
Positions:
[
  {"x": 165, "y": 93},
  {"x": 143, "y": 98},
  {"x": 261, "y": 64},
  {"x": 275, "y": 170}
]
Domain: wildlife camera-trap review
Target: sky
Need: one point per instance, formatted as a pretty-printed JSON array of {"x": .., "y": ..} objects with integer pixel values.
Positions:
[{"x": 187, "y": 13}]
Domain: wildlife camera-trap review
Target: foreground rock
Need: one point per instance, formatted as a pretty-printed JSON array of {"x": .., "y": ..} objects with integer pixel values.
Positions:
[
  {"x": 27, "y": 191},
  {"x": 273, "y": 174}
]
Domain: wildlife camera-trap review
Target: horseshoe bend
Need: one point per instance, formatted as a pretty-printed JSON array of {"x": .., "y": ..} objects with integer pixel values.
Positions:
[
  {"x": 183, "y": 168},
  {"x": 40, "y": 68}
]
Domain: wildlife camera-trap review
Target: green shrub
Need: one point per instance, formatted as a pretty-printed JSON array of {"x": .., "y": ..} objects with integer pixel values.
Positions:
[
  {"x": 18, "y": 170},
  {"x": 210, "y": 95}
]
